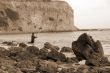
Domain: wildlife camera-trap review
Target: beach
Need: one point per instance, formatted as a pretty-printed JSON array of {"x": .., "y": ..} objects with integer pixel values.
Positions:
[
  {"x": 60, "y": 39},
  {"x": 52, "y": 53}
]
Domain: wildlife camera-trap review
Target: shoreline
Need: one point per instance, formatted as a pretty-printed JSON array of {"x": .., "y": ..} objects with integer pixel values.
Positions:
[{"x": 8, "y": 33}]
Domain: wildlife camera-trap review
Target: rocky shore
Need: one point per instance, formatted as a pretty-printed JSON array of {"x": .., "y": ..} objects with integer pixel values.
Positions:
[{"x": 21, "y": 58}]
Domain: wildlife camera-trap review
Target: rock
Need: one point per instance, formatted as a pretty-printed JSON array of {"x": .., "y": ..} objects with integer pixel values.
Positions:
[
  {"x": 50, "y": 46},
  {"x": 104, "y": 70},
  {"x": 81, "y": 52},
  {"x": 47, "y": 67},
  {"x": 56, "y": 56},
  {"x": 14, "y": 51},
  {"x": 67, "y": 70},
  {"x": 99, "y": 48},
  {"x": 25, "y": 64},
  {"x": 28, "y": 65},
  {"x": 24, "y": 55},
  {"x": 66, "y": 49},
  {"x": 22, "y": 45},
  {"x": 18, "y": 53},
  {"x": 43, "y": 53},
  {"x": 14, "y": 70},
  {"x": 33, "y": 50},
  {"x": 72, "y": 60},
  {"x": 51, "y": 55},
  {"x": 86, "y": 69},
  {"x": 85, "y": 48},
  {"x": 98, "y": 60},
  {"x": 8, "y": 66},
  {"x": 3, "y": 52},
  {"x": 10, "y": 43}
]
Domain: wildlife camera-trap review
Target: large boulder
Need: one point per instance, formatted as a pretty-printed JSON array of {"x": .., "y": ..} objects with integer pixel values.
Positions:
[{"x": 85, "y": 48}]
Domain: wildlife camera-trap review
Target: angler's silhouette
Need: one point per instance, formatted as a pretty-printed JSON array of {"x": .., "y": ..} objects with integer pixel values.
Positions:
[{"x": 32, "y": 38}]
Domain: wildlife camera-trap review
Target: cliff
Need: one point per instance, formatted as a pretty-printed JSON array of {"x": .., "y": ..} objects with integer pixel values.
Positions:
[{"x": 35, "y": 16}]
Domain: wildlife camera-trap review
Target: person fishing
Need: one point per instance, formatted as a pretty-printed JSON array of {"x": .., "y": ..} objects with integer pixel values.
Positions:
[{"x": 32, "y": 38}]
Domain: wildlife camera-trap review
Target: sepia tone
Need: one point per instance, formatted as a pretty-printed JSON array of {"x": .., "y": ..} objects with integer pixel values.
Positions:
[
  {"x": 35, "y": 16},
  {"x": 81, "y": 51}
]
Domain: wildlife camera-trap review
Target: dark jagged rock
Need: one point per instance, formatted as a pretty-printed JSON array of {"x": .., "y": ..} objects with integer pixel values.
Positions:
[
  {"x": 85, "y": 48},
  {"x": 56, "y": 56},
  {"x": 66, "y": 49},
  {"x": 23, "y": 45},
  {"x": 50, "y": 46}
]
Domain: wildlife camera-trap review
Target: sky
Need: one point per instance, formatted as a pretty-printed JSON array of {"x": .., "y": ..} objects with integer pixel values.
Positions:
[{"x": 91, "y": 14}]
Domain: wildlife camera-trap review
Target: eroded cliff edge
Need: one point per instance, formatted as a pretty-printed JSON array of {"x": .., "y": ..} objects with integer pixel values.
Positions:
[{"x": 35, "y": 16}]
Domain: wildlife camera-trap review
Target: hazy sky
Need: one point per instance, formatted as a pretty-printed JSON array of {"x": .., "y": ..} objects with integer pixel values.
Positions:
[{"x": 91, "y": 13}]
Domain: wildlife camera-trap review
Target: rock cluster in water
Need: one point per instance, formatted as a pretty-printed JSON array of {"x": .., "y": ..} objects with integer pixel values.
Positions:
[{"x": 51, "y": 59}]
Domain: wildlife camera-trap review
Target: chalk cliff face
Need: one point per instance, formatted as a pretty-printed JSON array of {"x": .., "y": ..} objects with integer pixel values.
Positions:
[{"x": 35, "y": 16}]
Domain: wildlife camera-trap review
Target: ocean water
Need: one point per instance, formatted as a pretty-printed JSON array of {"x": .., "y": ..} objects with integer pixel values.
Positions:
[{"x": 60, "y": 39}]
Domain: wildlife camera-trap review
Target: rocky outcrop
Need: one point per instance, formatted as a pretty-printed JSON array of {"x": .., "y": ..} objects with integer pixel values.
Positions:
[
  {"x": 85, "y": 48},
  {"x": 35, "y": 16},
  {"x": 31, "y": 59}
]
